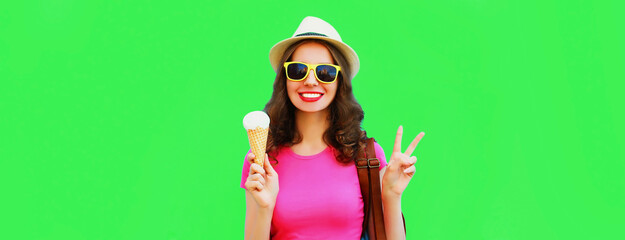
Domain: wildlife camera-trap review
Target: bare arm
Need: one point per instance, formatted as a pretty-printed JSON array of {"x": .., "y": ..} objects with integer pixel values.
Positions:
[
  {"x": 257, "y": 220},
  {"x": 261, "y": 191},
  {"x": 395, "y": 178},
  {"x": 393, "y": 222}
]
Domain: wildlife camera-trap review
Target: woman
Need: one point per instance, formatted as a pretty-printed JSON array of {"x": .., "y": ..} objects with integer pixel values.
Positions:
[{"x": 315, "y": 136}]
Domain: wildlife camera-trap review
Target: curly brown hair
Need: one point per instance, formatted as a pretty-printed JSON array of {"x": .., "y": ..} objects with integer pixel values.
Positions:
[{"x": 344, "y": 133}]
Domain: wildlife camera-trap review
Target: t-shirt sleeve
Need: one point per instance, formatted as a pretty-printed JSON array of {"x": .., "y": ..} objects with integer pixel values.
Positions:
[
  {"x": 246, "y": 169},
  {"x": 379, "y": 154}
]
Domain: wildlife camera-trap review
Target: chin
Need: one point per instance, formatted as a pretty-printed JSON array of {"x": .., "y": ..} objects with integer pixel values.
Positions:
[{"x": 311, "y": 108}]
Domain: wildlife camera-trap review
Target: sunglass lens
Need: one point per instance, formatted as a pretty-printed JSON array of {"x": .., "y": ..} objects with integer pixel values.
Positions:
[
  {"x": 326, "y": 73},
  {"x": 296, "y": 71}
]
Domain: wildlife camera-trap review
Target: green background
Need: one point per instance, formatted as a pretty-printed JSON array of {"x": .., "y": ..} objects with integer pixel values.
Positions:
[{"x": 122, "y": 119}]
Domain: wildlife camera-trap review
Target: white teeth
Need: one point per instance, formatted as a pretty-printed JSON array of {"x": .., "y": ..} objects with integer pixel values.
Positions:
[{"x": 311, "y": 95}]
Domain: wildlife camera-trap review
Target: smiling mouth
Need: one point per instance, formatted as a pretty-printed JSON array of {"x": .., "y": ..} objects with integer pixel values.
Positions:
[{"x": 310, "y": 97}]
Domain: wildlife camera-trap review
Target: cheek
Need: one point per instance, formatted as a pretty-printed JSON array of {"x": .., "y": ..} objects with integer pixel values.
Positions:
[
  {"x": 291, "y": 89},
  {"x": 332, "y": 89}
]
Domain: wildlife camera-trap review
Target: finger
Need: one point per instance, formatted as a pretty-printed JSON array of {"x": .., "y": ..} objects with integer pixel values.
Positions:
[
  {"x": 414, "y": 143},
  {"x": 411, "y": 169},
  {"x": 397, "y": 147},
  {"x": 258, "y": 177},
  {"x": 255, "y": 168},
  {"x": 268, "y": 166},
  {"x": 408, "y": 161},
  {"x": 251, "y": 185},
  {"x": 250, "y": 157}
]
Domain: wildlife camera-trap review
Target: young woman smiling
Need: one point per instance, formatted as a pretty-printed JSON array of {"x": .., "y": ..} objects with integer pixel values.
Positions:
[{"x": 315, "y": 135}]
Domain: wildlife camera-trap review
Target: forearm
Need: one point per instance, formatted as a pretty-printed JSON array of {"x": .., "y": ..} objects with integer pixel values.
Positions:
[
  {"x": 257, "y": 219},
  {"x": 258, "y": 225},
  {"x": 393, "y": 221}
]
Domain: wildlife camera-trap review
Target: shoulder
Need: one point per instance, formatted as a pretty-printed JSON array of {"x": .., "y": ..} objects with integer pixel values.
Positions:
[
  {"x": 378, "y": 148},
  {"x": 379, "y": 154}
]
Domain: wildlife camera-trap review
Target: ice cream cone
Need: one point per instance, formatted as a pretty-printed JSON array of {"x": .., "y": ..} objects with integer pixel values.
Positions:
[
  {"x": 257, "y": 125},
  {"x": 258, "y": 143}
]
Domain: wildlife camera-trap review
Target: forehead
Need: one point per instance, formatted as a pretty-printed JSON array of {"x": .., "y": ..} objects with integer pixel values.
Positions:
[{"x": 312, "y": 52}]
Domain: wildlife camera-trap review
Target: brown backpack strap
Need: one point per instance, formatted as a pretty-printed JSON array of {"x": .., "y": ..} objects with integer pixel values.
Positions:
[
  {"x": 377, "y": 218},
  {"x": 363, "y": 178},
  {"x": 368, "y": 167}
]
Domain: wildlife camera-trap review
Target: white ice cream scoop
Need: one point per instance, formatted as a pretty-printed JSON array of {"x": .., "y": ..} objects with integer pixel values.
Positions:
[{"x": 256, "y": 119}]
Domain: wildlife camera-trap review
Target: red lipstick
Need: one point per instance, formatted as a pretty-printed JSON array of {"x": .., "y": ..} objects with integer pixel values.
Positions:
[{"x": 310, "y": 96}]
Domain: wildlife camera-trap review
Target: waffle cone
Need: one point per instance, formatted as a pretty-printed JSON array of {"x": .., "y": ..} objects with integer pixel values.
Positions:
[{"x": 258, "y": 143}]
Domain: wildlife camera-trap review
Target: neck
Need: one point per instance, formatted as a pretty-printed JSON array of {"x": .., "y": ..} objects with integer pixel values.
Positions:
[{"x": 311, "y": 126}]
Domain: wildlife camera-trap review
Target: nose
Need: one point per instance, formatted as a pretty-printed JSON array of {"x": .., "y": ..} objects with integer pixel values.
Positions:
[{"x": 311, "y": 80}]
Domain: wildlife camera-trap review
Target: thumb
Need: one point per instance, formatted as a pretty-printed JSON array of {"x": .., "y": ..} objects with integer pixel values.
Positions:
[{"x": 268, "y": 166}]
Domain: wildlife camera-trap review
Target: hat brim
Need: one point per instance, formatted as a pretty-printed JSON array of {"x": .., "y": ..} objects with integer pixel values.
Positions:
[{"x": 277, "y": 51}]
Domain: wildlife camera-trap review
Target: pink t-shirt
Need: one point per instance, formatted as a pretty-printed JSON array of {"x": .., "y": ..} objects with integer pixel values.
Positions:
[{"x": 319, "y": 197}]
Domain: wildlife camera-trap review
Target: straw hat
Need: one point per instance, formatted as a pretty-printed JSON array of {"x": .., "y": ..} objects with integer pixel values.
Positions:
[{"x": 315, "y": 28}]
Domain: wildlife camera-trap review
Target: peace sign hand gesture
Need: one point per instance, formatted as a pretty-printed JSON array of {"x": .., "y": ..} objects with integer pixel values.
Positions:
[{"x": 400, "y": 168}]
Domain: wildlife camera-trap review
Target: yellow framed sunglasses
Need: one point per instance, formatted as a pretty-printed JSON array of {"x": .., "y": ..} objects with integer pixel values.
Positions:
[{"x": 298, "y": 71}]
